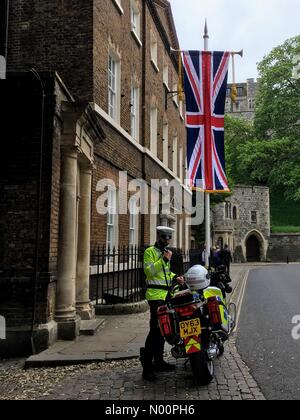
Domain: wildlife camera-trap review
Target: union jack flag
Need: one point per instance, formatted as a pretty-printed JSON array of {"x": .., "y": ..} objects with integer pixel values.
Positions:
[{"x": 205, "y": 79}]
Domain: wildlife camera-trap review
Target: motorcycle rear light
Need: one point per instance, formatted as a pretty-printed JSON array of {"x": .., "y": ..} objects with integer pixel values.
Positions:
[
  {"x": 186, "y": 310},
  {"x": 214, "y": 311}
]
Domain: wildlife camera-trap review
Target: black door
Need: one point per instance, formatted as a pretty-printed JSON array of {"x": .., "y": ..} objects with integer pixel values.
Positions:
[{"x": 253, "y": 249}]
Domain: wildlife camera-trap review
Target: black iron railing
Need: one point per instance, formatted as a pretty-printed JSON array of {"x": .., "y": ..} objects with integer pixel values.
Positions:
[{"x": 117, "y": 274}]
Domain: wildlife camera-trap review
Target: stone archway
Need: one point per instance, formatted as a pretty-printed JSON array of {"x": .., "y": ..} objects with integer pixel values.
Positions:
[{"x": 253, "y": 249}]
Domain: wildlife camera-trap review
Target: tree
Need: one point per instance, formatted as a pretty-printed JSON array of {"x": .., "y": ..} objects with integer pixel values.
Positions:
[
  {"x": 278, "y": 100},
  {"x": 268, "y": 153}
]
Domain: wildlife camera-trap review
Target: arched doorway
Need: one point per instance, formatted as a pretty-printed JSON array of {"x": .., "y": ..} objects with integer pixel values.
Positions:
[{"x": 253, "y": 249}]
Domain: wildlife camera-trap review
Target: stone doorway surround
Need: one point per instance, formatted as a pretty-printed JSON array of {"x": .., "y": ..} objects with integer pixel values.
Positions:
[
  {"x": 263, "y": 244},
  {"x": 80, "y": 132}
]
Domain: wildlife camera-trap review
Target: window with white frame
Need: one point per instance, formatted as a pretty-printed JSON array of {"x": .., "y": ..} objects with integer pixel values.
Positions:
[
  {"x": 118, "y": 4},
  {"x": 153, "y": 131},
  {"x": 181, "y": 110},
  {"x": 180, "y": 234},
  {"x": 166, "y": 75},
  {"x": 175, "y": 155},
  {"x": 114, "y": 88},
  {"x": 166, "y": 145},
  {"x": 135, "y": 19},
  {"x": 112, "y": 219},
  {"x": 181, "y": 163},
  {"x": 154, "y": 55},
  {"x": 134, "y": 113},
  {"x": 175, "y": 95},
  {"x": 133, "y": 223}
]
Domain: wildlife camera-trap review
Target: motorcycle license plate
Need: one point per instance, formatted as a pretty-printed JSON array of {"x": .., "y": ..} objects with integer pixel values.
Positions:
[{"x": 190, "y": 328}]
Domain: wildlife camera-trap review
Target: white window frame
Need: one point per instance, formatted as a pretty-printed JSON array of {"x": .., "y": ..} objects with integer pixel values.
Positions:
[
  {"x": 154, "y": 52},
  {"x": 133, "y": 223},
  {"x": 166, "y": 144},
  {"x": 112, "y": 219},
  {"x": 166, "y": 76},
  {"x": 153, "y": 130},
  {"x": 175, "y": 155},
  {"x": 135, "y": 21},
  {"x": 114, "y": 89},
  {"x": 134, "y": 113},
  {"x": 118, "y": 4},
  {"x": 181, "y": 172},
  {"x": 175, "y": 95}
]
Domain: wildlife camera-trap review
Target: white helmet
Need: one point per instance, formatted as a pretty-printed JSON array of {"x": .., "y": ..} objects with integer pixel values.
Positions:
[{"x": 197, "y": 278}]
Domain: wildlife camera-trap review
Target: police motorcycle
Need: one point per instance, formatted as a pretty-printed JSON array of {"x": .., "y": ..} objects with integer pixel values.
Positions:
[{"x": 197, "y": 320}]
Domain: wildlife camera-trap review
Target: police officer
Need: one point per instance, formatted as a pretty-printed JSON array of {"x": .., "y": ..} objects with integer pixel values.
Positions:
[{"x": 159, "y": 280}]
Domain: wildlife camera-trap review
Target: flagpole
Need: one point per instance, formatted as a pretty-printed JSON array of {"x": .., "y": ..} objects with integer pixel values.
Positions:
[{"x": 207, "y": 195}]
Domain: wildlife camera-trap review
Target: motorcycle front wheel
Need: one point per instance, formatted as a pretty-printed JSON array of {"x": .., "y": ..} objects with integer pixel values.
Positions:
[{"x": 202, "y": 368}]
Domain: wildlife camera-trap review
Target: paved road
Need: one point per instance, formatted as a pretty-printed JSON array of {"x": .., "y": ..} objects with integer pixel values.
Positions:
[{"x": 264, "y": 339}]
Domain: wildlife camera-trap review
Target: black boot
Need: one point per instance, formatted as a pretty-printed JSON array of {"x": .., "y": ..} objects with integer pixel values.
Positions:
[
  {"x": 146, "y": 361},
  {"x": 162, "y": 366}
]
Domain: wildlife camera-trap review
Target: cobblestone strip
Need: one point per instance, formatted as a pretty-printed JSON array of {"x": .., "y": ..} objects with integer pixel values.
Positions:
[{"x": 122, "y": 381}]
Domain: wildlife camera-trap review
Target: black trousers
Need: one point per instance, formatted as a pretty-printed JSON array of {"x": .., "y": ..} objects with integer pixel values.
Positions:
[{"x": 154, "y": 347}]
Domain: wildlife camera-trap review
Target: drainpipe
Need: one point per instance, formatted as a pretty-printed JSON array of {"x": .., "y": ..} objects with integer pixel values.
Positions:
[
  {"x": 144, "y": 55},
  {"x": 38, "y": 210}
]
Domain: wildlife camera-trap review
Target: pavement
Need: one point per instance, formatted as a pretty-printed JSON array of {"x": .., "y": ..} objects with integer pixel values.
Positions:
[
  {"x": 106, "y": 367},
  {"x": 270, "y": 305},
  {"x": 119, "y": 338}
]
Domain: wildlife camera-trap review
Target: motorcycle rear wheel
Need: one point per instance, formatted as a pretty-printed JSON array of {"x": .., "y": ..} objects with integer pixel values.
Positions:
[{"x": 202, "y": 368}]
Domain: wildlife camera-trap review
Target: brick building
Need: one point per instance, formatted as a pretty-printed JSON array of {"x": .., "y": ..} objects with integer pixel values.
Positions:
[{"x": 88, "y": 94}]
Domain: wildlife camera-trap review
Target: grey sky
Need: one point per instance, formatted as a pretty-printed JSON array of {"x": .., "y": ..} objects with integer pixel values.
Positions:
[{"x": 254, "y": 25}]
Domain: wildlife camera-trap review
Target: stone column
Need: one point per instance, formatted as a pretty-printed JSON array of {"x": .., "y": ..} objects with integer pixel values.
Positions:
[
  {"x": 68, "y": 321},
  {"x": 83, "y": 306}
]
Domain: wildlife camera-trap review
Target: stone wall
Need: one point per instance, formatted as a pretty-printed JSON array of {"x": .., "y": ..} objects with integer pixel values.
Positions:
[
  {"x": 234, "y": 224},
  {"x": 283, "y": 247}
]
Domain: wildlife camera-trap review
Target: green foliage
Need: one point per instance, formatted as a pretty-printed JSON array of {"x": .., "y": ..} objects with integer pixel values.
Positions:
[
  {"x": 285, "y": 214},
  {"x": 277, "y": 103},
  {"x": 268, "y": 152}
]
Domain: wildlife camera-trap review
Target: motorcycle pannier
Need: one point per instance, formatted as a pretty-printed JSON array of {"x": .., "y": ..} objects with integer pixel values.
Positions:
[
  {"x": 166, "y": 321},
  {"x": 217, "y": 308}
]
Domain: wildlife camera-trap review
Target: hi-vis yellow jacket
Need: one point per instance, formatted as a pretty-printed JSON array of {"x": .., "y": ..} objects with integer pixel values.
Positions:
[{"x": 158, "y": 274}]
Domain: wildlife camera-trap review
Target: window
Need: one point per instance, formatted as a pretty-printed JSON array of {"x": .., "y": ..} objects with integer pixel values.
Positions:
[
  {"x": 111, "y": 218},
  {"x": 175, "y": 95},
  {"x": 181, "y": 110},
  {"x": 228, "y": 91},
  {"x": 181, "y": 163},
  {"x": 166, "y": 75},
  {"x": 175, "y": 156},
  {"x": 135, "y": 19},
  {"x": 154, "y": 51},
  {"x": 234, "y": 213},
  {"x": 240, "y": 91},
  {"x": 166, "y": 144},
  {"x": 134, "y": 113},
  {"x": 133, "y": 223},
  {"x": 251, "y": 104},
  {"x": 118, "y": 4},
  {"x": 113, "y": 88},
  {"x": 254, "y": 217},
  {"x": 180, "y": 234},
  {"x": 153, "y": 131}
]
